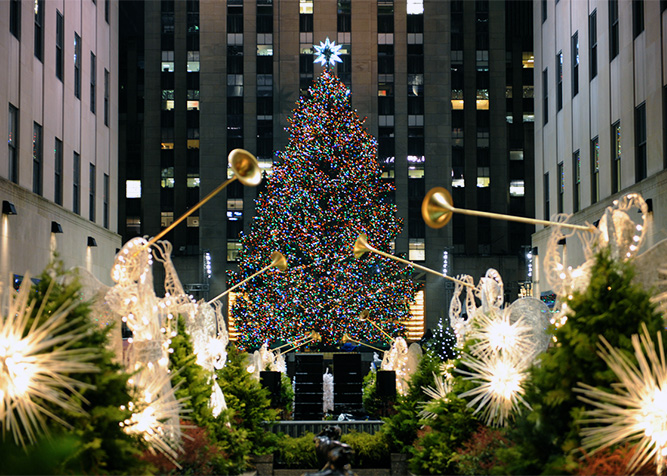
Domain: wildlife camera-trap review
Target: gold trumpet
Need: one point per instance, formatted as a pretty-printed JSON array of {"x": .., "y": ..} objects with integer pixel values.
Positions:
[
  {"x": 277, "y": 261},
  {"x": 314, "y": 336},
  {"x": 246, "y": 170},
  {"x": 361, "y": 246},
  {"x": 363, "y": 317},
  {"x": 346, "y": 339},
  {"x": 438, "y": 208},
  {"x": 294, "y": 342}
]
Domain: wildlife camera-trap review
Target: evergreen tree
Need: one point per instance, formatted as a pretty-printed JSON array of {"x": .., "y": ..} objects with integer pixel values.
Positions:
[
  {"x": 443, "y": 342},
  {"x": 613, "y": 306},
  {"x": 325, "y": 190}
]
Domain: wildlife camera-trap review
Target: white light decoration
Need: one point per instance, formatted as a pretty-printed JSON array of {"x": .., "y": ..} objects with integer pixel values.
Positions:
[
  {"x": 500, "y": 391},
  {"x": 443, "y": 386},
  {"x": 445, "y": 263},
  {"x": 35, "y": 363},
  {"x": 207, "y": 264},
  {"x": 327, "y": 53},
  {"x": 403, "y": 360},
  {"x": 636, "y": 409},
  {"x": 494, "y": 333},
  {"x": 328, "y": 392}
]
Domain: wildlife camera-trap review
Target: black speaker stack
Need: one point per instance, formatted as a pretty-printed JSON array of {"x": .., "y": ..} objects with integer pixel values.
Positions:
[
  {"x": 347, "y": 384},
  {"x": 271, "y": 381},
  {"x": 385, "y": 385},
  {"x": 308, "y": 393}
]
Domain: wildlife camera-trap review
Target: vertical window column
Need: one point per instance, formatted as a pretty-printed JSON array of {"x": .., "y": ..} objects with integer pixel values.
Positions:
[
  {"x": 91, "y": 193},
  {"x": 613, "y": 29},
  {"x": 93, "y": 81},
  {"x": 547, "y": 205},
  {"x": 76, "y": 183},
  {"x": 576, "y": 177},
  {"x": 37, "y": 158},
  {"x": 265, "y": 85},
  {"x": 386, "y": 132},
  {"x": 77, "y": 66},
  {"x": 559, "y": 81},
  {"x": 58, "y": 172},
  {"x": 641, "y": 162},
  {"x": 59, "y": 45},
  {"x": 595, "y": 170},
  {"x": 13, "y": 144},
  {"x": 593, "y": 44},
  {"x": 561, "y": 186},
  {"x": 105, "y": 198},
  {"x": 306, "y": 67},
  {"x": 192, "y": 124},
  {"x": 344, "y": 22},
  {"x": 545, "y": 96},
  {"x": 575, "y": 64},
  {"x": 39, "y": 30},
  {"x": 616, "y": 157}
]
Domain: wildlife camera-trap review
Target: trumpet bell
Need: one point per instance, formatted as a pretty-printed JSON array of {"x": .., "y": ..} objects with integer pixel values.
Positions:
[
  {"x": 437, "y": 207},
  {"x": 278, "y": 260},
  {"x": 361, "y": 246},
  {"x": 245, "y": 167}
]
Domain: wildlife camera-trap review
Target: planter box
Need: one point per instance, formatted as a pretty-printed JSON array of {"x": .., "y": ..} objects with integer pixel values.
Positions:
[{"x": 263, "y": 464}]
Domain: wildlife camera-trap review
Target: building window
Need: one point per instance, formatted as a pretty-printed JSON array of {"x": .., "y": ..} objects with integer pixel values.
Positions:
[
  {"x": 93, "y": 81},
  {"x": 595, "y": 170},
  {"x": 575, "y": 64},
  {"x": 547, "y": 210},
  {"x": 76, "y": 181},
  {"x": 77, "y": 66},
  {"x": 106, "y": 97},
  {"x": 613, "y": 29},
  {"x": 544, "y": 11},
  {"x": 637, "y": 17},
  {"x": 517, "y": 188},
  {"x": 106, "y": 10},
  {"x": 576, "y": 172},
  {"x": 13, "y": 144},
  {"x": 640, "y": 141},
  {"x": 58, "y": 172},
  {"x": 39, "y": 31},
  {"x": 59, "y": 45},
  {"x": 233, "y": 250},
  {"x": 105, "y": 209},
  {"x": 559, "y": 81},
  {"x": 91, "y": 193},
  {"x": 15, "y": 18},
  {"x": 417, "y": 249},
  {"x": 561, "y": 186},
  {"x": 593, "y": 43},
  {"x": 37, "y": 158},
  {"x": 616, "y": 157},
  {"x": 545, "y": 96}
]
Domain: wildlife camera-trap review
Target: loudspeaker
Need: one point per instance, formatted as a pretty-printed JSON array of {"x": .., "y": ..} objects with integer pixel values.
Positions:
[
  {"x": 270, "y": 380},
  {"x": 385, "y": 385}
]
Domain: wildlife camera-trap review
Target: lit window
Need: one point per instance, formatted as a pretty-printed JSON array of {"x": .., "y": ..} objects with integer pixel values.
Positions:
[
  {"x": 306, "y": 6},
  {"x": 193, "y": 61},
  {"x": 483, "y": 178},
  {"x": 193, "y": 222},
  {"x": 264, "y": 50},
  {"x": 528, "y": 59},
  {"x": 415, "y": 7},
  {"x": 457, "y": 104},
  {"x": 233, "y": 250},
  {"x": 167, "y": 61},
  {"x": 516, "y": 188},
  {"x": 193, "y": 180},
  {"x": 166, "y": 219},
  {"x": 516, "y": 154},
  {"x": 167, "y": 177},
  {"x": 133, "y": 189},
  {"x": 417, "y": 250}
]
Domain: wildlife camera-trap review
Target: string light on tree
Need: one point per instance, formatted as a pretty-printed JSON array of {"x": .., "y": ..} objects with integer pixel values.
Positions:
[{"x": 326, "y": 189}]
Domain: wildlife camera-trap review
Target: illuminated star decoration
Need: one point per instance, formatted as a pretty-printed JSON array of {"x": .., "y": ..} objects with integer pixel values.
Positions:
[
  {"x": 327, "y": 53},
  {"x": 638, "y": 407},
  {"x": 443, "y": 386},
  {"x": 35, "y": 360}
]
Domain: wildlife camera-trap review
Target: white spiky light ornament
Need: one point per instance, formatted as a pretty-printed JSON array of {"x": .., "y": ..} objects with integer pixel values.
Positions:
[{"x": 36, "y": 363}]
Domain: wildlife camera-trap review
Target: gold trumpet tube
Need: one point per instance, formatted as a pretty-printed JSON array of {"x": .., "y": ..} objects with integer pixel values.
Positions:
[
  {"x": 246, "y": 170},
  {"x": 277, "y": 260},
  {"x": 314, "y": 336},
  {"x": 438, "y": 208},
  {"x": 363, "y": 317},
  {"x": 292, "y": 343},
  {"x": 347, "y": 338},
  {"x": 361, "y": 246}
]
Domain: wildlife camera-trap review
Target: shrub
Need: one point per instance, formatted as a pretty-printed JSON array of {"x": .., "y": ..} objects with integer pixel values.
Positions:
[
  {"x": 370, "y": 451},
  {"x": 478, "y": 453},
  {"x": 296, "y": 452}
]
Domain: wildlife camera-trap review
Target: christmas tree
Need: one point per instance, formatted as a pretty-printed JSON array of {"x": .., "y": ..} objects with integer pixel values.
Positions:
[{"x": 326, "y": 189}]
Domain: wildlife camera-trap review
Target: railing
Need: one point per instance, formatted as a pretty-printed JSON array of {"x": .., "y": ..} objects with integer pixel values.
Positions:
[{"x": 300, "y": 428}]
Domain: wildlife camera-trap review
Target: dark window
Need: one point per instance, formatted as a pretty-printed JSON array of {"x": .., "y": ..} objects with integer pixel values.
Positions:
[
  {"x": 77, "y": 65},
  {"x": 559, "y": 81},
  {"x": 305, "y": 22},
  {"x": 93, "y": 81},
  {"x": 637, "y": 17},
  {"x": 344, "y": 22},
  {"x": 13, "y": 143},
  {"x": 593, "y": 43},
  {"x": 91, "y": 193},
  {"x": 613, "y": 29},
  {"x": 15, "y": 18},
  {"x": 385, "y": 59},
  {"x": 59, "y": 45},
  {"x": 544, "y": 11},
  {"x": 105, "y": 210},
  {"x": 76, "y": 181},
  {"x": 595, "y": 170},
  {"x": 39, "y": 29},
  {"x": 545, "y": 96},
  {"x": 106, "y": 97},
  {"x": 561, "y": 186},
  {"x": 37, "y": 158},
  {"x": 576, "y": 177},
  {"x": 106, "y": 10},
  {"x": 616, "y": 157},
  {"x": 575, "y": 64},
  {"x": 235, "y": 19},
  {"x": 547, "y": 211},
  {"x": 640, "y": 143},
  {"x": 58, "y": 172},
  {"x": 663, "y": 5}
]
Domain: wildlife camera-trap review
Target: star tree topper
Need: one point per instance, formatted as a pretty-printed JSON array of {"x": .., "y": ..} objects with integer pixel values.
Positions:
[{"x": 327, "y": 53}]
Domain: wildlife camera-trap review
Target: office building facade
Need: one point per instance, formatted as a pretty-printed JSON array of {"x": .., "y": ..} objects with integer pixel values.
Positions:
[
  {"x": 58, "y": 174},
  {"x": 446, "y": 87},
  {"x": 600, "y": 117}
]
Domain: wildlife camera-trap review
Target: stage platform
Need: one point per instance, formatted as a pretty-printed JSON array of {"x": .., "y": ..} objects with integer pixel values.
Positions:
[{"x": 296, "y": 428}]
